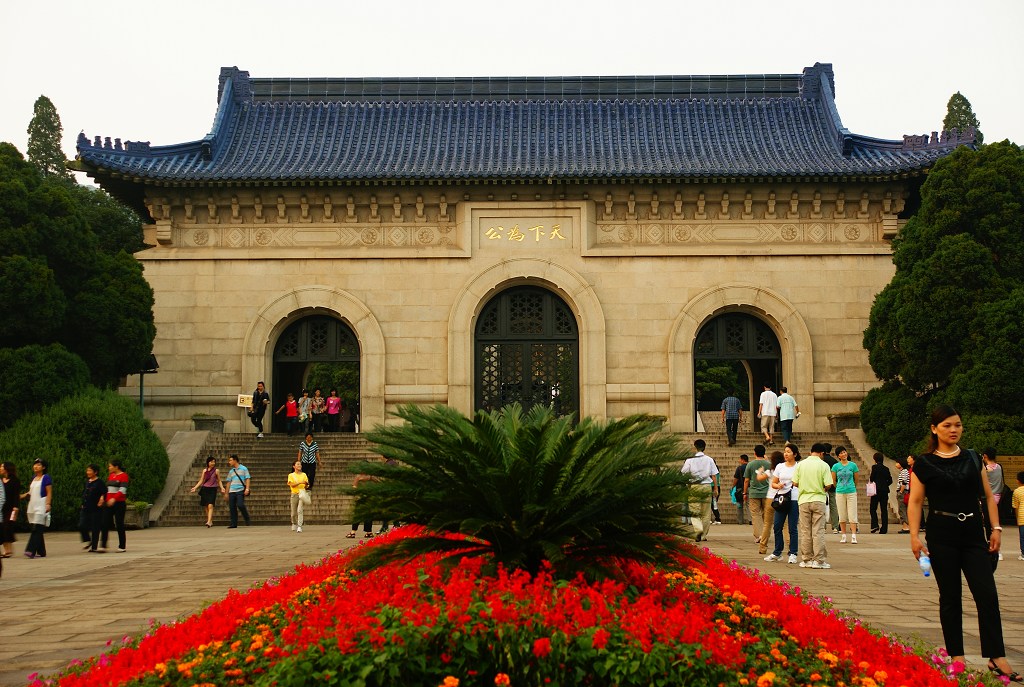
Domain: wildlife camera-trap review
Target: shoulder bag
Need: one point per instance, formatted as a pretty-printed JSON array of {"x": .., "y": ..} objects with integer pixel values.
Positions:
[{"x": 781, "y": 501}]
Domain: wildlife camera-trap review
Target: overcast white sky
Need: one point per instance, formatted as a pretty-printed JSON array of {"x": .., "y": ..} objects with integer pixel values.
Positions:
[{"x": 148, "y": 71}]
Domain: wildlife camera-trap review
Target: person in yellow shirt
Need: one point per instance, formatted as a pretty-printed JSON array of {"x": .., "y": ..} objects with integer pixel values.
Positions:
[{"x": 298, "y": 482}]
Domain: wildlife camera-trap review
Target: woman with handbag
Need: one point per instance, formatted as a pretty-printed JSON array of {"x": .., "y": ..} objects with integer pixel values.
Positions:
[
  {"x": 783, "y": 497},
  {"x": 958, "y": 493},
  {"x": 298, "y": 483},
  {"x": 879, "y": 481},
  {"x": 209, "y": 485}
]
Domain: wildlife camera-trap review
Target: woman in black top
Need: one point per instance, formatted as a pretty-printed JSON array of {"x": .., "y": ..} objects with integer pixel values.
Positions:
[
  {"x": 882, "y": 479},
  {"x": 953, "y": 480},
  {"x": 12, "y": 492},
  {"x": 91, "y": 518}
]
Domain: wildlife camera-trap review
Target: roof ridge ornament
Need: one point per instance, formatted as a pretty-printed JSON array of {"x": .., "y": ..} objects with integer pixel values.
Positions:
[
  {"x": 947, "y": 139},
  {"x": 104, "y": 143}
]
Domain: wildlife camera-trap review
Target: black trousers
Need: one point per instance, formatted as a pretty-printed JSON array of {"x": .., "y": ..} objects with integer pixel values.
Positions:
[
  {"x": 880, "y": 500},
  {"x": 310, "y": 470},
  {"x": 961, "y": 546},
  {"x": 257, "y": 419},
  {"x": 36, "y": 543},
  {"x": 89, "y": 525},
  {"x": 236, "y": 502},
  {"x": 115, "y": 520}
]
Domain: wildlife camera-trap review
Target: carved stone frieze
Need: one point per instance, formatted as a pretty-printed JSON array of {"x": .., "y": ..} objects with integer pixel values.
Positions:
[
  {"x": 666, "y": 233},
  {"x": 314, "y": 236}
]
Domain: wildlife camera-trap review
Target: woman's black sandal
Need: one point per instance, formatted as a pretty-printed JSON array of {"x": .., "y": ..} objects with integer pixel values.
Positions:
[{"x": 1012, "y": 676}]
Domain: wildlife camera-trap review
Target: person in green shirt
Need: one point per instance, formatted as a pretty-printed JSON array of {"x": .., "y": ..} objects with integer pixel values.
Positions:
[
  {"x": 755, "y": 490},
  {"x": 813, "y": 478}
]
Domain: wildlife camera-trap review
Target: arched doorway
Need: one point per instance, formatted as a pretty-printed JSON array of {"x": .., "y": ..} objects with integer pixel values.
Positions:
[
  {"x": 312, "y": 352},
  {"x": 735, "y": 351},
  {"x": 526, "y": 350}
]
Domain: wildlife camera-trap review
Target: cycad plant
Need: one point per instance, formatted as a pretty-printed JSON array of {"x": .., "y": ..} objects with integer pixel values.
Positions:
[{"x": 528, "y": 489}]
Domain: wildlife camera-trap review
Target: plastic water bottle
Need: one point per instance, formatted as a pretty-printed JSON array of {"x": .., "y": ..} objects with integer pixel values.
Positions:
[{"x": 926, "y": 565}]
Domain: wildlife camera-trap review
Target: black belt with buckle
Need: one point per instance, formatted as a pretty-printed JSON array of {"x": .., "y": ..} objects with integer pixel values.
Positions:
[{"x": 959, "y": 516}]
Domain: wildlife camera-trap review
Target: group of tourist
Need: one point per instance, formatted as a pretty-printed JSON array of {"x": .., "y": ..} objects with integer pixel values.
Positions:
[
  {"x": 963, "y": 490},
  {"x": 306, "y": 413},
  {"x": 103, "y": 507},
  {"x": 770, "y": 406}
]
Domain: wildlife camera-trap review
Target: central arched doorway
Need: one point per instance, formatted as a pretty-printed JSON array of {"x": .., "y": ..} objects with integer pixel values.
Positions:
[
  {"x": 317, "y": 351},
  {"x": 526, "y": 350},
  {"x": 735, "y": 352}
]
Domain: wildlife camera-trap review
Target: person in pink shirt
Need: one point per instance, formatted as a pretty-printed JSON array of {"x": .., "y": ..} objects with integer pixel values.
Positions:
[{"x": 333, "y": 410}]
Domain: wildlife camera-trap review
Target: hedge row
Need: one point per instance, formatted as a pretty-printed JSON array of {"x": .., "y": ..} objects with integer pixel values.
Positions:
[{"x": 94, "y": 426}]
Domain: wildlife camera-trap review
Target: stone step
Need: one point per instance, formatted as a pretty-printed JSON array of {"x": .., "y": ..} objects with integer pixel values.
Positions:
[{"x": 269, "y": 461}]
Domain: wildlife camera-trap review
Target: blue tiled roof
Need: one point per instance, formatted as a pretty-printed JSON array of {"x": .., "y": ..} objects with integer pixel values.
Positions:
[{"x": 752, "y": 126}]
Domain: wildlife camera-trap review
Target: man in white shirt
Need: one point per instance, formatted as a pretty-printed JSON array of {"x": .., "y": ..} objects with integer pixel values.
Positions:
[
  {"x": 705, "y": 473},
  {"x": 767, "y": 409}
]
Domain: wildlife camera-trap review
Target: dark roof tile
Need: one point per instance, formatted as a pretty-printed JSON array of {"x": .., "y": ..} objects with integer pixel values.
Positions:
[{"x": 520, "y": 128}]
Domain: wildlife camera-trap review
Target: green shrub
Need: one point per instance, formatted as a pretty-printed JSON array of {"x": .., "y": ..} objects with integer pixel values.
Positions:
[
  {"x": 1003, "y": 432},
  {"x": 92, "y": 427},
  {"x": 895, "y": 420},
  {"x": 35, "y": 376}
]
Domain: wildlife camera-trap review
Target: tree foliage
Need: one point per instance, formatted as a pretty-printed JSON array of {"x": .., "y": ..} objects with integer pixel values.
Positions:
[
  {"x": 65, "y": 275},
  {"x": 44, "y": 140},
  {"x": 92, "y": 427},
  {"x": 948, "y": 327},
  {"x": 528, "y": 488},
  {"x": 714, "y": 380},
  {"x": 35, "y": 376},
  {"x": 960, "y": 116}
]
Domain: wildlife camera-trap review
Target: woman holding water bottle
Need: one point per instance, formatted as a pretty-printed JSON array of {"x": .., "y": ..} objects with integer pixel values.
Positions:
[{"x": 957, "y": 489}]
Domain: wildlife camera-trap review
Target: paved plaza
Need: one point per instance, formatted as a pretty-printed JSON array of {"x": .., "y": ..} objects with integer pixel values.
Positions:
[{"x": 71, "y": 604}]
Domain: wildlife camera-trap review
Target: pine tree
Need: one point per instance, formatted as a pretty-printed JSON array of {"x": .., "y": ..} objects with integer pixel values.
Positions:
[
  {"x": 960, "y": 116},
  {"x": 44, "y": 140}
]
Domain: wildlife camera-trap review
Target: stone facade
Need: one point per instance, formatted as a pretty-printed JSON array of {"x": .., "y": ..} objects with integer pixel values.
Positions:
[{"x": 409, "y": 266}]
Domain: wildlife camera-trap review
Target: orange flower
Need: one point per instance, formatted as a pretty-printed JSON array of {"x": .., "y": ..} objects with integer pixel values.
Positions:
[
  {"x": 502, "y": 680},
  {"x": 766, "y": 680},
  {"x": 450, "y": 681}
]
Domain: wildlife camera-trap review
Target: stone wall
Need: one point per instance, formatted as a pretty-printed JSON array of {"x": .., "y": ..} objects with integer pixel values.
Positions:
[{"x": 408, "y": 268}]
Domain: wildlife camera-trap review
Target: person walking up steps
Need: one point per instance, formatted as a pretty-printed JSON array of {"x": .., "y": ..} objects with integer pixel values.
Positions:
[
  {"x": 767, "y": 409},
  {"x": 732, "y": 415}
]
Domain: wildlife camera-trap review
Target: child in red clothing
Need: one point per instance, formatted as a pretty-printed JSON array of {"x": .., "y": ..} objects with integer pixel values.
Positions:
[{"x": 291, "y": 408}]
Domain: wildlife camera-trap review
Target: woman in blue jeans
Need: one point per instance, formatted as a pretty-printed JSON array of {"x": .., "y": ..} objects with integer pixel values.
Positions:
[{"x": 782, "y": 483}]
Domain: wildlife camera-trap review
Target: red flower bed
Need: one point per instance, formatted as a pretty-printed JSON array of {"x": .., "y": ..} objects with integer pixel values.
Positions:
[{"x": 421, "y": 624}]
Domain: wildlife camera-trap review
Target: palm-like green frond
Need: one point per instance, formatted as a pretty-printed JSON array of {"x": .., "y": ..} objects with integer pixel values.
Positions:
[{"x": 528, "y": 488}]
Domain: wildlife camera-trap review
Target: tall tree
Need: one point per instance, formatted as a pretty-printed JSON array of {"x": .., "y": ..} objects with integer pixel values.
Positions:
[
  {"x": 960, "y": 116},
  {"x": 947, "y": 328},
  {"x": 44, "y": 140},
  {"x": 65, "y": 275}
]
